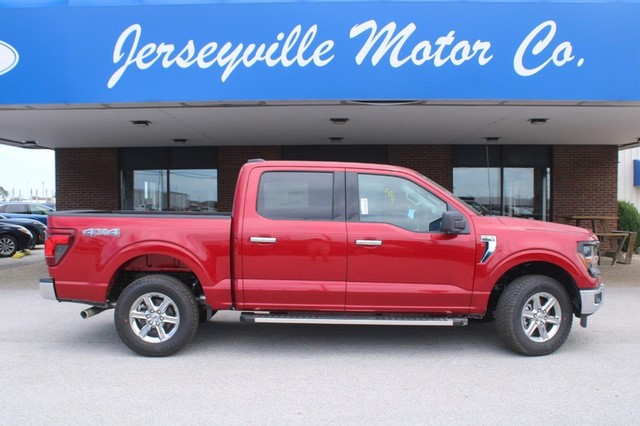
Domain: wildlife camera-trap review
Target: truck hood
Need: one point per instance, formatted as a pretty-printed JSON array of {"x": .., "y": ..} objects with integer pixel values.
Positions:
[{"x": 533, "y": 225}]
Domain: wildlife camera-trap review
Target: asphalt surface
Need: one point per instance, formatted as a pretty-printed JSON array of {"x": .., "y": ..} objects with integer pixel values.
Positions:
[{"x": 56, "y": 368}]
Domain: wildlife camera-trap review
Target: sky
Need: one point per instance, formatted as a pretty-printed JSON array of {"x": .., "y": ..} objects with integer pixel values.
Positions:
[{"x": 26, "y": 170}]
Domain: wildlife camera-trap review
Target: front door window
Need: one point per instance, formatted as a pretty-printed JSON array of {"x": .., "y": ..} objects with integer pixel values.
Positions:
[{"x": 399, "y": 202}]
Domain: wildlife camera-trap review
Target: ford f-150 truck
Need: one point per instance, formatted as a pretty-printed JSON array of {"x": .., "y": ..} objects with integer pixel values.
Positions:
[{"x": 326, "y": 243}]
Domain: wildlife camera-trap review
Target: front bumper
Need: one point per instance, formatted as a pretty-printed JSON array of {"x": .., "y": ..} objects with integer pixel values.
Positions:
[
  {"x": 41, "y": 236},
  {"x": 48, "y": 289},
  {"x": 592, "y": 300}
]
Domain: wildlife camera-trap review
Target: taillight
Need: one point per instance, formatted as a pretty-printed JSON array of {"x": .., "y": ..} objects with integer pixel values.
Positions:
[{"x": 56, "y": 245}]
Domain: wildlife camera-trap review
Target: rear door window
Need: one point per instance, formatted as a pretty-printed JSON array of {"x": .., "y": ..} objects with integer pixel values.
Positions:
[
  {"x": 17, "y": 208},
  {"x": 296, "y": 195}
]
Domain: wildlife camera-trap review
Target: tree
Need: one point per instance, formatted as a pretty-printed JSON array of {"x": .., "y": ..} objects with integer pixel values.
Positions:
[{"x": 3, "y": 192}]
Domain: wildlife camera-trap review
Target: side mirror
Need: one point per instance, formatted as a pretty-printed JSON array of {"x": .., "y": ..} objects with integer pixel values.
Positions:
[{"x": 453, "y": 222}]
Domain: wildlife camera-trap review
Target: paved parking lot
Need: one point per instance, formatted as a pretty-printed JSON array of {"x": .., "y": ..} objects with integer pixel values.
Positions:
[{"x": 60, "y": 369}]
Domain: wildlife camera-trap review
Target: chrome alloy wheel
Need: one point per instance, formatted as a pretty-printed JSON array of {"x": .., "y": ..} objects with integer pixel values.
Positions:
[
  {"x": 7, "y": 246},
  {"x": 154, "y": 317},
  {"x": 541, "y": 317}
]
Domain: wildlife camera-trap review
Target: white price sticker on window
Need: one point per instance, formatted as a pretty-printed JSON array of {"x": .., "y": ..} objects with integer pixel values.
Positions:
[{"x": 364, "y": 206}]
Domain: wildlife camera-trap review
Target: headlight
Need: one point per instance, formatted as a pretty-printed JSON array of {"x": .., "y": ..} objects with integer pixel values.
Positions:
[
  {"x": 24, "y": 231},
  {"x": 588, "y": 252}
]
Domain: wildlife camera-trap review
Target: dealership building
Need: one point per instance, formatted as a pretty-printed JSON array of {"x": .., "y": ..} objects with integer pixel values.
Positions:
[{"x": 519, "y": 107}]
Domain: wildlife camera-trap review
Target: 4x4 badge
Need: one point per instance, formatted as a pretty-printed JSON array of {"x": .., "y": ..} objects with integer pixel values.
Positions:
[{"x": 101, "y": 232}]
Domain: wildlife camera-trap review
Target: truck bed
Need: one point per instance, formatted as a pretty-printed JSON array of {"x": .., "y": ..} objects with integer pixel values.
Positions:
[{"x": 107, "y": 244}]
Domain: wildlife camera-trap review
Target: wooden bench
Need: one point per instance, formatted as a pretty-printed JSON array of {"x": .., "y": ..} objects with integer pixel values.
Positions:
[
  {"x": 631, "y": 242},
  {"x": 616, "y": 240}
]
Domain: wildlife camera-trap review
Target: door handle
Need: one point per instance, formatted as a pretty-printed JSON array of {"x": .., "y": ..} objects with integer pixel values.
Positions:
[
  {"x": 263, "y": 240},
  {"x": 369, "y": 243}
]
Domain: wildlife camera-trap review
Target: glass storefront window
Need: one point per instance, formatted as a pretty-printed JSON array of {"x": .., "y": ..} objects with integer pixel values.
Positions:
[
  {"x": 508, "y": 180},
  {"x": 150, "y": 190},
  {"x": 479, "y": 187},
  {"x": 193, "y": 190},
  {"x": 518, "y": 192},
  {"x": 169, "y": 178},
  {"x": 508, "y": 191}
]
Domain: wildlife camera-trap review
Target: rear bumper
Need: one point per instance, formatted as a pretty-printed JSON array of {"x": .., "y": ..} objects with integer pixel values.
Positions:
[
  {"x": 592, "y": 300},
  {"x": 48, "y": 288}
]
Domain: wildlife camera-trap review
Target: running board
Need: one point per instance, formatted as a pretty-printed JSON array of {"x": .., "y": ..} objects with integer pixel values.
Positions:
[{"x": 353, "y": 319}]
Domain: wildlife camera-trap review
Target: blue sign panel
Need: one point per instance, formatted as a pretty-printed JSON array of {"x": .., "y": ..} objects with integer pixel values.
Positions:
[{"x": 316, "y": 51}]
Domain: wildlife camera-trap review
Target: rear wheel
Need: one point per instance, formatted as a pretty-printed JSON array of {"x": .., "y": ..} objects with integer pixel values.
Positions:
[
  {"x": 8, "y": 246},
  {"x": 534, "y": 315},
  {"x": 156, "y": 315}
]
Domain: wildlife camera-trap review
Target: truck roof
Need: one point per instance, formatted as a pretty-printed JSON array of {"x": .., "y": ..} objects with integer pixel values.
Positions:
[{"x": 325, "y": 164}]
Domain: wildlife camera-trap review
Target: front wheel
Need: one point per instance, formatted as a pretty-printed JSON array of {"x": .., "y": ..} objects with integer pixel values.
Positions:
[
  {"x": 534, "y": 315},
  {"x": 8, "y": 246},
  {"x": 156, "y": 315}
]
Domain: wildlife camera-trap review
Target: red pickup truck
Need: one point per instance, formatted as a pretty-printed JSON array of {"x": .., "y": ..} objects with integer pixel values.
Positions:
[{"x": 326, "y": 243}]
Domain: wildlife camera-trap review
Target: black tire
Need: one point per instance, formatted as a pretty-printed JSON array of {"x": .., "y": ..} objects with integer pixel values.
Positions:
[
  {"x": 164, "y": 327},
  {"x": 534, "y": 315},
  {"x": 8, "y": 245}
]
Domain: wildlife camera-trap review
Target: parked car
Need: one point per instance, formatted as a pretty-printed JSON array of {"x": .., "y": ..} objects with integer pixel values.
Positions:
[
  {"x": 37, "y": 228},
  {"x": 24, "y": 210},
  {"x": 13, "y": 238}
]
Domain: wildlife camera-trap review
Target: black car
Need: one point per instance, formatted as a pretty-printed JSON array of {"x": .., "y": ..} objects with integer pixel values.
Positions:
[
  {"x": 37, "y": 228},
  {"x": 13, "y": 238}
]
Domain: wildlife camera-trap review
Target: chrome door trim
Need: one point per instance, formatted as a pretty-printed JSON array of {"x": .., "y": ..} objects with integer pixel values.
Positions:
[
  {"x": 263, "y": 240},
  {"x": 369, "y": 243}
]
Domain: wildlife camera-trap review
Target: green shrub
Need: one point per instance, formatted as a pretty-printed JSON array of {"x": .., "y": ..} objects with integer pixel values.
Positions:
[{"x": 629, "y": 219}]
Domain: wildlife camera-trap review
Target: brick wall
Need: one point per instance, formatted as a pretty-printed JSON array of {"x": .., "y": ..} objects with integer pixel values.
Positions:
[
  {"x": 433, "y": 161},
  {"x": 584, "y": 181},
  {"x": 87, "y": 179},
  {"x": 230, "y": 160},
  {"x": 584, "y": 178}
]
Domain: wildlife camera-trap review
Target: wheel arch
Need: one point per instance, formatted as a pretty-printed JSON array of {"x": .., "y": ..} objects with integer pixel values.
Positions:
[
  {"x": 160, "y": 258},
  {"x": 545, "y": 268}
]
